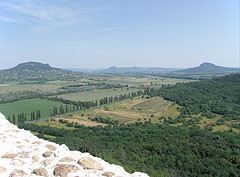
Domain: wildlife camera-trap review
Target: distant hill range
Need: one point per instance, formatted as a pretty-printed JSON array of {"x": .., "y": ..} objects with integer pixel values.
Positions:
[
  {"x": 83, "y": 70},
  {"x": 35, "y": 71},
  {"x": 131, "y": 70},
  {"x": 203, "y": 69},
  {"x": 209, "y": 69},
  {"x": 32, "y": 71}
]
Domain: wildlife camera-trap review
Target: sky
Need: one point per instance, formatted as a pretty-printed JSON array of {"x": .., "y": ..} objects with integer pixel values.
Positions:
[{"x": 104, "y": 33}]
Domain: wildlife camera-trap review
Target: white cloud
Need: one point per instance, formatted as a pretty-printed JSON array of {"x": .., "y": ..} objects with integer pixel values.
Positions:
[
  {"x": 9, "y": 20},
  {"x": 43, "y": 15},
  {"x": 123, "y": 29}
]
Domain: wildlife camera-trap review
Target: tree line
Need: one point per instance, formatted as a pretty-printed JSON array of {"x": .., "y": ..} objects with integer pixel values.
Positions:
[
  {"x": 71, "y": 106},
  {"x": 159, "y": 150},
  {"x": 220, "y": 95},
  {"x": 22, "y": 117}
]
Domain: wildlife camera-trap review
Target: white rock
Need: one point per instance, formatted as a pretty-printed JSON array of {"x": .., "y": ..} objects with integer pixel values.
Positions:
[{"x": 30, "y": 149}]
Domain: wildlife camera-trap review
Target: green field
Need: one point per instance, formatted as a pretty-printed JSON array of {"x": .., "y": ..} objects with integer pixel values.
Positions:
[
  {"x": 95, "y": 94},
  {"x": 128, "y": 111},
  {"x": 30, "y": 87},
  {"x": 28, "y": 106},
  {"x": 16, "y": 87},
  {"x": 138, "y": 81}
]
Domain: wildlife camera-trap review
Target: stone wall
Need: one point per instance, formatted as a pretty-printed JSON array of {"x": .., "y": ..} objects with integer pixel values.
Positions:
[{"x": 23, "y": 154}]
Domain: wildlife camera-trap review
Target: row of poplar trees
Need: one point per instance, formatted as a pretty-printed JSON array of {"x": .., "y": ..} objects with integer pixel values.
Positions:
[{"x": 22, "y": 117}]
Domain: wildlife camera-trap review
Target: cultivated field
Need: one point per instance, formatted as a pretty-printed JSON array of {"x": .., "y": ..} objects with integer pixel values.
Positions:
[
  {"x": 129, "y": 111},
  {"x": 95, "y": 94},
  {"x": 151, "y": 81},
  {"x": 139, "y": 81},
  {"x": 13, "y": 87},
  {"x": 28, "y": 106},
  {"x": 138, "y": 110}
]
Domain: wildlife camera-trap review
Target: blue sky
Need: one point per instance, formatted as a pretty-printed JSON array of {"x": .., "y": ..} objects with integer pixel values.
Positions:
[{"x": 103, "y": 33}]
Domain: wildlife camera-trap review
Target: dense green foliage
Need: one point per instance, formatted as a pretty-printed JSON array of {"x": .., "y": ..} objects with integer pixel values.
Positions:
[
  {"x": 164, "y": 150},
  {"x": 100, "y": 119},
  {"x": 155, "y": 149},
  {"x": 219, "y": 95}
]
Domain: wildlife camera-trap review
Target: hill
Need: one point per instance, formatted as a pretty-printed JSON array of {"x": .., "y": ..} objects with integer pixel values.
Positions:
[
  {"x": 132, "y": 70},
  {"x": 209, "y": 69},
  {"x": 208, "y": 98},
  {"x": 33, "y": 71},
  {"x": 82, "y": 70}
]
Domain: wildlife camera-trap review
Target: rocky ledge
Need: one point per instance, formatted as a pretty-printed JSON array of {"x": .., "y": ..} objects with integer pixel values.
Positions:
[{"x": 23, "y": 154}]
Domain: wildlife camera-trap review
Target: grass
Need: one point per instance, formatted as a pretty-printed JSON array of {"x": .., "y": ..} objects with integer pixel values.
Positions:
[
  {"x": 205, "y": 122},
  {"x": 82, "y": 121},
  {"x": 54, "y": 124},
  {"x": 137, "y": 81},
  {"x": 151, "y": 81},
  {"x": 95, "y": 94},
  {"x": 128, "y": 111},
  {"x": 29, "y": 87},
  {"x": 16, "y": 87},
  {"x": 45, "y": 135},
  {"x": 28, "y": 106}
]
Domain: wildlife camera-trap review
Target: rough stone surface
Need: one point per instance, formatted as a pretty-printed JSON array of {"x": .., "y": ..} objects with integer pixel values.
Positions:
[
  {"x": 3, "y": 170},
  {"x": 89, "y": 163},
  {"x": 17, "y": 162},
  {"x": 35, "y": 159},
  {"x": 63, "y": 170},
  {"x": 23, "y": 154},
  {"x": 108, "y": 174},
  {"x": 36, "y": 142},
  {"x": 47, "y": 154},
  {"x": 40, "y": 172},
  {"x": 18, "y": 173},
  {"x": 50, "y": 147},
  {"x": 46, "y": 162},
  {"x": 9, "y": 156},
  {"x": 67, "y": 159}
]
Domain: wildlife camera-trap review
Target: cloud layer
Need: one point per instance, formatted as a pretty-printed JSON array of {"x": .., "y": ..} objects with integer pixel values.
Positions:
[{"x": 42, "y": 14}]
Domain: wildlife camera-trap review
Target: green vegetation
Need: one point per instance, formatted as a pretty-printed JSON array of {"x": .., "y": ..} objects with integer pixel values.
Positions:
[
  {"x": 209, "y": 69},
  {"x": 96, "y": 94},
  {"x": 28, "y": 106},
  {"x": 100, "y": 119},
  {"x": 158, "y": 150},
  {"x": 144, "y": 122},
  {"x": 132, "y": 110},
  {"x": 217, "y": 96}
]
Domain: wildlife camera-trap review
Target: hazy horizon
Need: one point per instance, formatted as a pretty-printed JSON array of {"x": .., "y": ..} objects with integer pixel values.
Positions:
[
  {"x": 103, "y": 33},
  {"x": 99, "y": 68}
]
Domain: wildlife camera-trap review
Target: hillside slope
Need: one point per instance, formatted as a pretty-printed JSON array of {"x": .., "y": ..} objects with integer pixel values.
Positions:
[
  {"x": 209, "y": 68},
  {"x": 134, "y": 70},
  {"x": 32, "y": 71}
]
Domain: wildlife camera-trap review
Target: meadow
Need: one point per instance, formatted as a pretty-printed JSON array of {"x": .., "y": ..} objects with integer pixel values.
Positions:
[
  {"x": 96, "y": 94},
  {"x": 137, "y": 81},
  {"x": 31, "y": 86},
  {"x": 140, "y": 109},
  {"x": 28, "y": 106},
  {"x": 129, "y": 111},
  {"x": 15, "y": 87}
]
